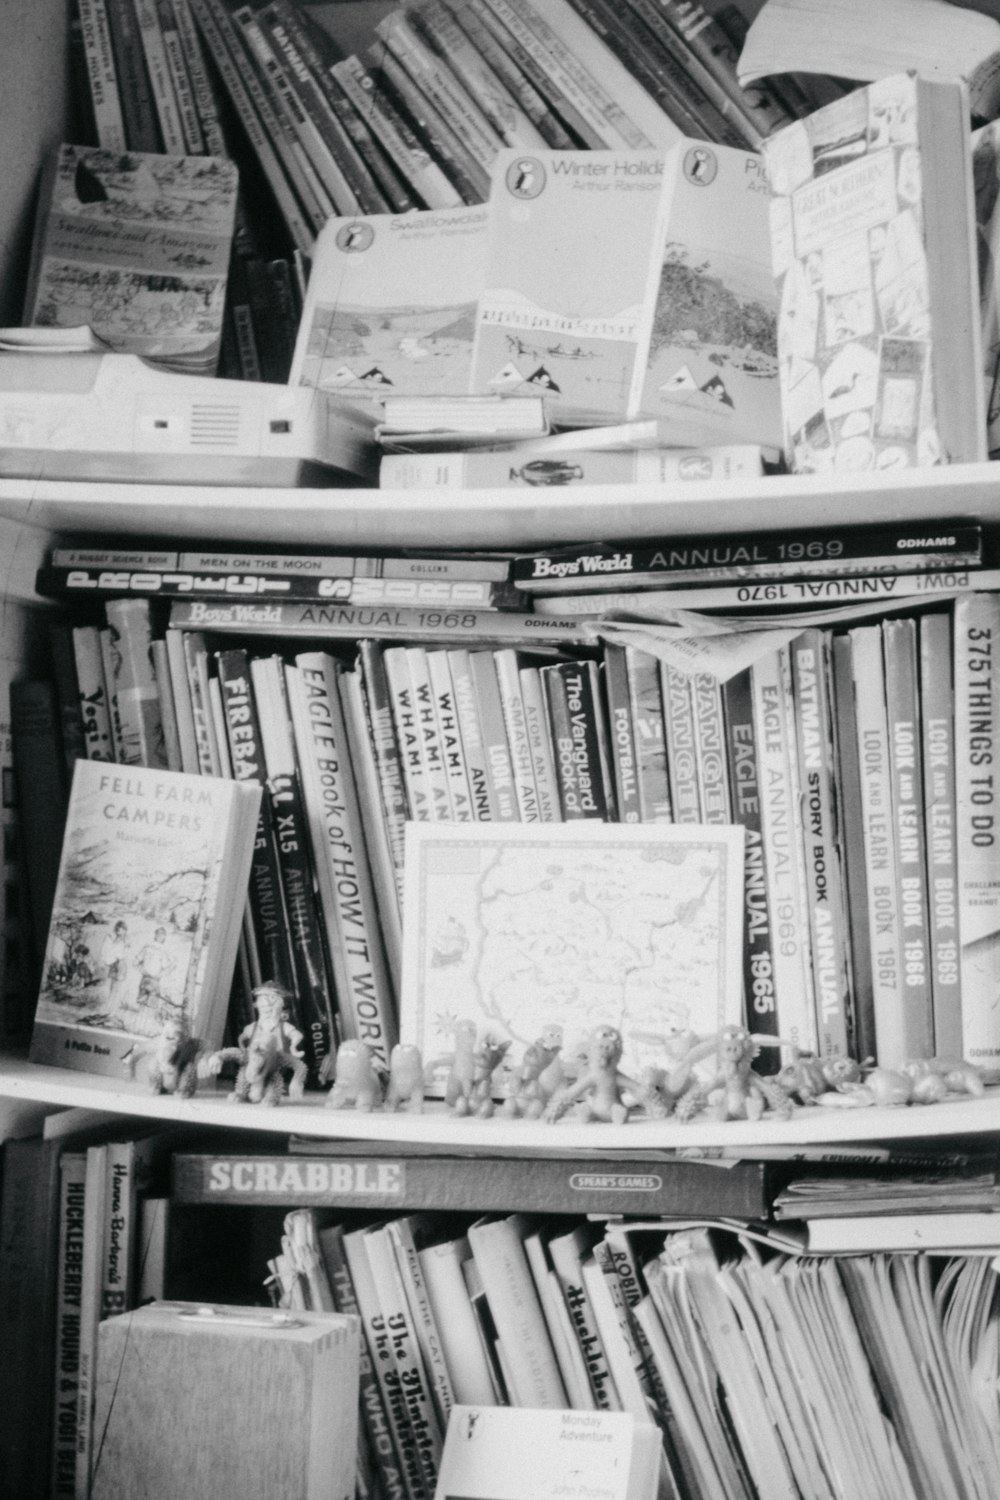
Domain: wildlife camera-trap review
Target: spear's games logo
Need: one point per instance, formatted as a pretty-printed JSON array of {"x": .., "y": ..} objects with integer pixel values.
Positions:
[{"x": 525, "y": 177}]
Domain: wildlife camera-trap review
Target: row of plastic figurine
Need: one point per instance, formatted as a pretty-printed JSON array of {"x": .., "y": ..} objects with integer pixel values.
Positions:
[{"x": 707, "y": 1076}]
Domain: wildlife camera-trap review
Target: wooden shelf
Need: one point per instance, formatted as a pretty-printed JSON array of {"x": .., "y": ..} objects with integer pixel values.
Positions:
[
  {"x": 500, "y": 519},
  {"x": 436, "y": 1128}
]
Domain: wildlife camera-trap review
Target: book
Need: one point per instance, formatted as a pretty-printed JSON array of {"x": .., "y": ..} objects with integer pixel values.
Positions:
[
  {"x": 935, "y": 1233},
  {"x": 568, "y": 1251},
  {"x": 822, "y": 845},
  {"x": 498, "y": 765},
  {"x": 92, "y": 1263},
  {"x": 39, "y": 771},
  {"x": 137, "y": 246},
  {"x": 448, "y": 419},
  {"x": 892, "y": 372},
  {"x": 390, "y": 622},
  {"x": 976, "y": 634},
  {"x": 328, "y": 570},
  {"x": 396, "y": 665},
  {"x": 154, "y": 47},
  {"x": 902, "y": 698},
  {"x": 133, "y": 687},
  {"x": 846, "y": 40},
  {"x": 547, "y": 319},
  {"x": 475, "y": 470},
  {"x": 579, "y": 741},
  {"x": 365, "y": 1000},
  {"x": 849, "y": 800},
  {"x": 681, "y": 749},
  {"x": 192, "y": 135},
  {"x": 66, "y": 1342},
  {"x": 499, "y": 1255},
  {"x": 378, "y": 1177},
  {"x": 623, "y": 734},
  {"x": 428, "y": 731},
  {"x": 64, "y": 679},
  {"x": 507, "y": 665},
  {"x": 937, "y": 727},
  {"x": 469, "y": 885},
  {"x": 893, "y": 1040},
  {"x": 515, "y": 81},
  {"x": 102, "y": 74},
  {"x": 452, "y": 752},
  {"x": 173, "y": 872},
  {"x": 390, "y": 304},
  {"x": 710, "y": 753},
  {"x": 29, "y": 1262},
  {"x": 445, "y": 143},
  {"x": 802, "y": 554},
  {"x": 142, "y": 126},
  {"x": 441, "y": 1264}
]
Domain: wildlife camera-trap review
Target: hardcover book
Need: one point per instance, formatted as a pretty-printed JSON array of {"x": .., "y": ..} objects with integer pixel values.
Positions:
[
  {"x": 584, "y": 924},
  {"x": 874, "y": 252},
  {"x": 146, "y": 917},
  {"x": 136, "y": 246}
]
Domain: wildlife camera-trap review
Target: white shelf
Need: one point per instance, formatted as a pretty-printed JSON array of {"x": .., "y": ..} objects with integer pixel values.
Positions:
[
  {"x": 504, "y": 518},
  {"x": 63, "y": 1089}
]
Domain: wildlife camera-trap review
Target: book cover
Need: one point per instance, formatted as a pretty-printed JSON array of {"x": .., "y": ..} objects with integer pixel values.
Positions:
[
  {"x": 710, "y": 752},
  {"x": 568, "y": 1251},
  {"x": 407, "y": 1235},
  {"x": 977, "y": 720},
  {"x": 452, "y": 752},
  {"x": 535, "y": 470},
  {"x": 396, "y": 665},
  {"x": 145, "y": 920},
  {"x": 390, "y": 305},
  {"x": 548, "y": 317},
  {"x": 428, "y": 732},
  {"x": 902, "y": 700},
  {"x": 136, "y": 246},
  {"x": 378, "y": 701},
  {"x": 937, "y": 723},
  {"x": 583, "y": 924},
  {"x": 874, "y": 256}
]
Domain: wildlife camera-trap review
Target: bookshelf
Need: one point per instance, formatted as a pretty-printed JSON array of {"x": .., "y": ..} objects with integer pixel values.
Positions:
[{"x": 38, "y": 512}]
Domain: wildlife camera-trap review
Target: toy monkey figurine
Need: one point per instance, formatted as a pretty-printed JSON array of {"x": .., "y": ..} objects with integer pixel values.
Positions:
[{"x": 599, "y": 1090}]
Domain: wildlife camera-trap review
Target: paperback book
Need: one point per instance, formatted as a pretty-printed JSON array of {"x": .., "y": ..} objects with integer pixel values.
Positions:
[
  {"x": 136, "y": 246},
  {"x": 147, "y": 912},
  {"x": 874, "y": 250}
]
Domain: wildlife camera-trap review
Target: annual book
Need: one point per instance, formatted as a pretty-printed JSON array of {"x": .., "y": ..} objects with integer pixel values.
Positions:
[
  {"x": 147, "y": 911},
  {"x": 874, "y": 254},
  {"x": 136, "y": 246}
]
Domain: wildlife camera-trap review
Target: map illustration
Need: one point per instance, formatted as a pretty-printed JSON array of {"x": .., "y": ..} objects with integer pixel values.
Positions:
[{"x": 518, "y": 927}]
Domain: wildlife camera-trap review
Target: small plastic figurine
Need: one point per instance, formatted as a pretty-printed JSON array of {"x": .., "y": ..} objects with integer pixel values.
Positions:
[
  {"x": 488, "y": 1053},
  {"x": 174, "y": 1057},
  {"x": 460, "y": 1063},
  {"x": 598, "y": 1093},
  {"x": 268, "y": 1049},
  {"x": 357, "y": 1079},
  {"x": 736, "y": 1092},
  {"x": 406, "y": 1079},
  {"x": 803, "y": 1077}
]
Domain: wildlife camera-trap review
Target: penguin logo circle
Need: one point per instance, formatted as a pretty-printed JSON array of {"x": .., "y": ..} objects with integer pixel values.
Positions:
[
  {"x": 354, "y": 237},
  {"x": 525, "y": 177},
  {"x": 700, "y": 166}
]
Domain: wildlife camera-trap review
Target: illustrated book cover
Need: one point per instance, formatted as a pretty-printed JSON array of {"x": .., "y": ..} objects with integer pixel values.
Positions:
[
  {"x": 147, "y": 912},
  {"x": 136, "y": 247},
  {"x": 390, "y": 306},
  {"x": 873, "y": 241},
  {"x": 516, "y": 927}
]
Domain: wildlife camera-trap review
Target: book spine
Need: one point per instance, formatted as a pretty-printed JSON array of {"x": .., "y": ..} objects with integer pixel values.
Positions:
[
  {"x": 93, "y": 693},
  {"x": 435, "y": 77},
  {"x": 223, "y": 45},
  {"x": 899, "y": 644},
  {"x": 196, "y": 673},
  {"x": 388, "y": 181},
  {"x": 373, "y": 1414},
  {"x": 621, "y": 735},
  {"x": 385, "y": 622},
  {"x": 892, "y": 1042},
  {"x": 509, "y": 682},
  {"x": 393, "y": 132},
  {"x": 138, "y": 107},
  {"x": 186, "y": 732},
  {"x": 268, "y": 914},
  {"x": 451, "y": 1308},
  {"x": 445, "y": 145},
  {"x": 496, "y": 748},
  {"x": 500, "y": 108},
  {"x": 802, "y": 555},
  {"x": 567, "y": 1252},
  {"x": 157, "y": 64},
  {"x": 203, "y": 95},
  {"x": 168, "y": 711},
  {"x": 977, "y": 745},
  {"x": 40, "y": 778},
  {"x": 540, "y": 745},
  {"x": 133, "y": 686},
  {"x": 721, "y": 117},
  {"x": 91, "y": 1278},
  {"x": 428, "y": 734},
  {"x": 710, "y": 748},
  {"x": 102, "y": 74},
  {"x": 575, "y": 708},
  {"x": 484, "y": 809},
  {"x": 407, "y": 732},
  {"x": 937, "y": 723},
  {"x": 499, "y": 1255},
  {"x": 625, "y": 1357},
  {"x": 424, "y": 1427},
  {"x": 443, "y": 694},
  {"x": 775, "y": 736},
  {"x": 745, "y": 796},
  {"x": 848, "y": 793},
  {"x": 682, "y": 755},
  {"x": 337, "y": 837},
  {"x": 378, "y": 699},
  {"x": 516, "y": 81},
  {"x": 187, "y": 113},
  {"x": 403, "y": 1238},
  {"x": 822, "y": 845},
  {"x": 72, "y": 1187},
  {"x": 521, "y": 47},
  {"x": 643, "y": 713}
]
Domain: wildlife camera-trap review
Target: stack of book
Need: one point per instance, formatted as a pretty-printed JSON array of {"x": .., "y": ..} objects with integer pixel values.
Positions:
[{"x": 845, "y": 741}]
